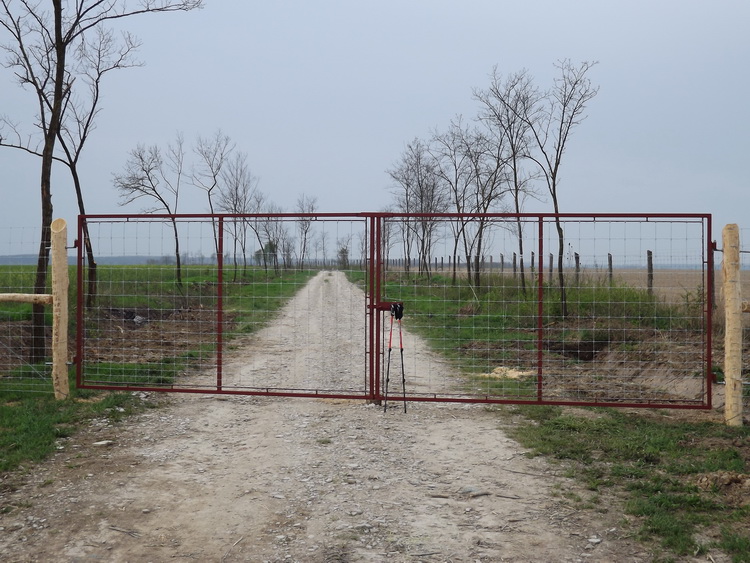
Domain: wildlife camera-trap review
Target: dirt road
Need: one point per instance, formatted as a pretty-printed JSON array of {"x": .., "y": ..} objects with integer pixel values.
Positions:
[{"x": 210, "y": 478}]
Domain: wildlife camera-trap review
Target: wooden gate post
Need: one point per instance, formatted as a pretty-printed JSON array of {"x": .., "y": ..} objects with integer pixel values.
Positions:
[
  {"x": 60, "y": 285},
  {"x": 733, "y": 327}
]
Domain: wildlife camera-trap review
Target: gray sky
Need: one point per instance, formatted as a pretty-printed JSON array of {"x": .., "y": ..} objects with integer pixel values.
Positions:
[{"x": 323, "y": 96}]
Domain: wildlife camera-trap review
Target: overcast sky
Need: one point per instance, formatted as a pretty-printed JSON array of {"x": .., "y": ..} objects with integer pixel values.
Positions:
[{"x": 324, "y": 95}]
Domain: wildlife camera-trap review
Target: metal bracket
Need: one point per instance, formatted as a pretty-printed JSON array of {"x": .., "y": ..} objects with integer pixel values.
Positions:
[{"x": 386, "y": 305}]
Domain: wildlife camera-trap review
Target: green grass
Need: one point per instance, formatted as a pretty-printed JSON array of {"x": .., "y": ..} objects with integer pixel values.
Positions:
[
  {"x": 654, "y": 462},
  {"x": 481, "y": 328},
  {"x": 20, "y": 279},
  {"x": 158, "y": 374},
  {"x": 32, "y": 422},
  {"x": 254, "y": 296},
  {"x": 249, "y": 301}
]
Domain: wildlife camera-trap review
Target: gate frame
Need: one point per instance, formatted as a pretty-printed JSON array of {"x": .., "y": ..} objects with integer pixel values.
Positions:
[{"x": 376, "y": 306}]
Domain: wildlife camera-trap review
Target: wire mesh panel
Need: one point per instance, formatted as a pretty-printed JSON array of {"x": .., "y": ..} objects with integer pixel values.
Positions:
[
  {"x": 570, "y": 310},
  {"x": 189, "y": 303},
  {"x": 22, "y": 368},
  {"x": 567, "y": 309}
]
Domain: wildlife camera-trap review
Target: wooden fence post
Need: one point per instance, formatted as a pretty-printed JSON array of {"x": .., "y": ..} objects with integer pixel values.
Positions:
[
  {"x": 733, "y": 326},
  {"x": 60, "y": 285},
  {"x": 551, "y": 266}
]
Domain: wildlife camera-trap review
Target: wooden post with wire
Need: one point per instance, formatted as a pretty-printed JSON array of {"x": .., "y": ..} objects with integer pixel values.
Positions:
[
  {"x": 60, "y": 283},
  {"x": 59, "y": 301},
  {"x": 733, "y": 307}
]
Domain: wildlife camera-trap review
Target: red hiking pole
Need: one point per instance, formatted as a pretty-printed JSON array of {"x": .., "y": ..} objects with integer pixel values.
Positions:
[{"x": 397, "y": 311}]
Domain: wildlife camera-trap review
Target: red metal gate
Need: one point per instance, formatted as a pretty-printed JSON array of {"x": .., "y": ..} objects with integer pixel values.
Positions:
[{"x": 498, "y": 308}]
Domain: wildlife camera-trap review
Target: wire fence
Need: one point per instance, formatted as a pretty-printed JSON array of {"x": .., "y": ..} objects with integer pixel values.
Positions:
[
  {"x": 271, "y": 305},
  {"x": 627, "y": 322},
  {"x": 19, "y": 248},
  {"x": 299, "y": 305}
]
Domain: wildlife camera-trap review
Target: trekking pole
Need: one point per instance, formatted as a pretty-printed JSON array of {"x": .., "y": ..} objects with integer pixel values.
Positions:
[
  {"x": 399, "y": 313},
  {"x": 388, "y": 364}
]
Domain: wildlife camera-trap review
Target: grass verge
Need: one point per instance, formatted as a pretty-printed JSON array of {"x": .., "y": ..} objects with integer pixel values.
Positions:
[
  {"x": 32, "y": 423},
  {"x": 680, "y": 479}
]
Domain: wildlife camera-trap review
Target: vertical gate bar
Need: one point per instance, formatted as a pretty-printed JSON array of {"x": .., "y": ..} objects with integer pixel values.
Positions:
[
  {"x": 80, "y": 330},
  {"x": 220, "y": 306},
  {"x": 368, "y": 274},
  {"x": 376, "y": 351},
  {"x": 369, "y": 379},
  {"x": 540, "y": 313},
  {"x": 377, "y": 313},
  {"x": 375, "y": 273},
  {"x": 708, "y": 245}
]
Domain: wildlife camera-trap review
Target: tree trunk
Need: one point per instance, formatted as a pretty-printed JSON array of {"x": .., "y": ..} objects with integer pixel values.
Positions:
[
  {"x": 480, "y": 239},
  {"x": 560, "y": 273},
  {"x": 520, "y": 252},
  {"x": 38, "y": 349},
  {"x": 91, "y": 291},
  {"x": 234, "y": 255},
  {"x": 38, "y": 344},
  {"x": 177, "y": 252}
]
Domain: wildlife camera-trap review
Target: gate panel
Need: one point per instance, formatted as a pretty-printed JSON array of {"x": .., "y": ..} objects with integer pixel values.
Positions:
[
  {"x": 495, "y": 309},
  {"x": 627, "y": 323},
  {"x": 247, "y": 310}
]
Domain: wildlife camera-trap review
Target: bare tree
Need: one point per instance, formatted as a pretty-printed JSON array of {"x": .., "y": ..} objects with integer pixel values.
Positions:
[
  {"x": 344, "y": 245},
  {"x": 305, "y": 205},
  {"x": 321, "y": 245},
  {"x": 549, "y": 119},
  {"x": 212, "y": 156},
  {"x": 488, "y": 162},
  {"x": 473, "y": 167},
  {"x": 387, "y": 236},
  {"x": 97, "y": 55},
  {"x": 287, "y": 243},
  {"x": 42, "y": 53},
  {"x": 551, "y": 129},
  {"x": 150, "y": 175},
  {"x": 271, "y": 233},
  {"x": 239, "y": 195},
  {"x": 364, "y": 244},
  {"x": 504, "y": 102},
  {"x": 420, "y": 191},
  {"x": 454, "y": 170}
]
